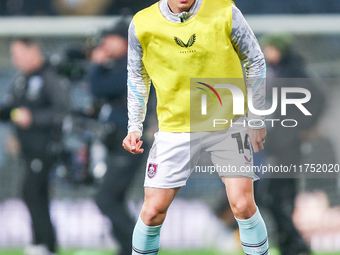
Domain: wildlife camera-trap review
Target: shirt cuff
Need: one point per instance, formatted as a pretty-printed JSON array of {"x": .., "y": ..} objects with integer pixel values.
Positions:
[{"x": 134, "y": 128}]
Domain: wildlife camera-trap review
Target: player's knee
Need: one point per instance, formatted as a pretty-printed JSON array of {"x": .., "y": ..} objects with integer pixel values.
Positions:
[
  {"x": 153, "y": 215},
  {"x": 243, "y": 208}
]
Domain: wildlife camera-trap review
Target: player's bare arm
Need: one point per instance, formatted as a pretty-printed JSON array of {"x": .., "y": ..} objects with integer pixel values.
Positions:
[
  {"x": 132, "y": 143},
  {"x": 257, "y": 138}
]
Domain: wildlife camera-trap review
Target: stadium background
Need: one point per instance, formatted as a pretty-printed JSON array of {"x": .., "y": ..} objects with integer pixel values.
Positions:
[{"x": 191, "y": 226}]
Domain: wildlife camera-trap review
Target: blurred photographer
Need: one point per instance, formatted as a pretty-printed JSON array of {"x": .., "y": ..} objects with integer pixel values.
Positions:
[
  {"x": 37, "y": 104},
  {"x": 107, "y": 77},
  {"x": 278, "y": 194}
]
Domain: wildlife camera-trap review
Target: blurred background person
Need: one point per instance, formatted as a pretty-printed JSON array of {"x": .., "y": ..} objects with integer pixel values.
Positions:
[
  {"x": 278, "y": 194},
  {"x": 37, "y": 103},
  {"x": 108, "y": 83}
]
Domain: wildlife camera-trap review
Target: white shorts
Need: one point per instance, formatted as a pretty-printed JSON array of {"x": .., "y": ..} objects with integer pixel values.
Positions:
[{"x": 173, "y": 156}]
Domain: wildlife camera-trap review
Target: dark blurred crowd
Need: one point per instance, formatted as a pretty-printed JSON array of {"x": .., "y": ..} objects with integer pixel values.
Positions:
[
  {"x": 71, "y": 7},
  {"x": 111, "y": 7},
  {"x": 39, "y": 107}
]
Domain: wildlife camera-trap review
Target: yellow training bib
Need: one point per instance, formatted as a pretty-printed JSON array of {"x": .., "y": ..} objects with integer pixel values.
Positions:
[{"x": 197, "y": 48}]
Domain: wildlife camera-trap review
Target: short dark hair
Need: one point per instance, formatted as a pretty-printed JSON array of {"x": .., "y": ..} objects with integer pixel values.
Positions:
[
  {"x": 28, "y": 41},
  {"x": 121, "y": 28}
]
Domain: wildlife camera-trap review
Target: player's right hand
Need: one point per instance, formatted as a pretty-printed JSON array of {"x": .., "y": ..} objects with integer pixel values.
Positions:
[{"x": 132, "y": 143}]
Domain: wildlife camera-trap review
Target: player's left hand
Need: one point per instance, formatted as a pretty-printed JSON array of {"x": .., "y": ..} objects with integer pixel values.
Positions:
[{"x": 257, "y": 138}]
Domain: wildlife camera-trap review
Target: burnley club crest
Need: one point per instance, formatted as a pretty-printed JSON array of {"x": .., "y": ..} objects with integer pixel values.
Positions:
[{"x": 152, "y": 169}]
